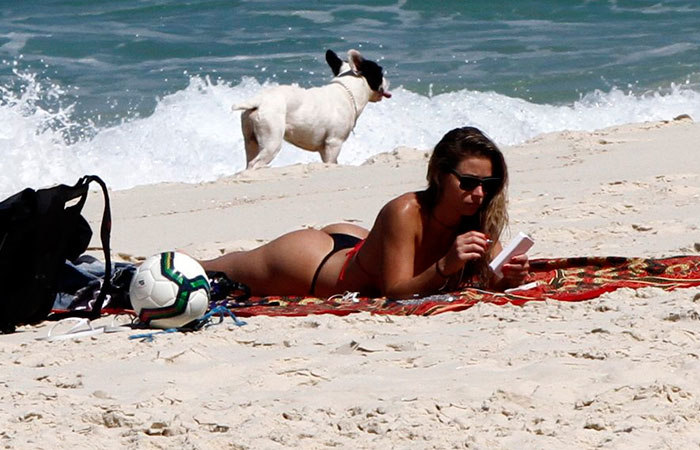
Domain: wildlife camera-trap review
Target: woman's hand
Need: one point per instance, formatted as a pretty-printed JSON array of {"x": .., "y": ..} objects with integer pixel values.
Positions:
[
  {"x": 515, "y": 271},
  {"x": 469, "y": 246}
]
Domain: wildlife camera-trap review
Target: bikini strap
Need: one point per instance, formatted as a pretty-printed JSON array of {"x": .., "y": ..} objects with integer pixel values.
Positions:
[
  {"x": 348, "y": 257},
  {"x": 318, "y": 271}
]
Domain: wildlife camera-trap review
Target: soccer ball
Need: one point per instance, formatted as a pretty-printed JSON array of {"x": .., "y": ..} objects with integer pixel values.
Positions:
[{"x": 169, "y": 290}]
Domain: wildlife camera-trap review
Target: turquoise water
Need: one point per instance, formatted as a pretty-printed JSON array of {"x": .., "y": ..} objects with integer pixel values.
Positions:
[{"x": 140, "y": 92}]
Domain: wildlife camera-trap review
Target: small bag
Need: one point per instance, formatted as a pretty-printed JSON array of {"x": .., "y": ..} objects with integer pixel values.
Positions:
[{"x": 39, "y": 231}]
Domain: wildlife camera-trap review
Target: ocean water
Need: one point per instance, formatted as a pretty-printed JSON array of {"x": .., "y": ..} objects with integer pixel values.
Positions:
[{"x": 140, "y": 91}]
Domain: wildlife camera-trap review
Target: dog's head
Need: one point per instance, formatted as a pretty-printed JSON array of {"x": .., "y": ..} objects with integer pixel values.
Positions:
[{"x": 356, "y": 64}]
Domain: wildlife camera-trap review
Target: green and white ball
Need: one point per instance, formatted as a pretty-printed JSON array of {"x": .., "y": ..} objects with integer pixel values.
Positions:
[{"x": 169, "y": 290}]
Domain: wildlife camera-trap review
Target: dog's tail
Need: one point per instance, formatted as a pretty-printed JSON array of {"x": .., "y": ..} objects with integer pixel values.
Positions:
[{"x": 252, "y": 103}]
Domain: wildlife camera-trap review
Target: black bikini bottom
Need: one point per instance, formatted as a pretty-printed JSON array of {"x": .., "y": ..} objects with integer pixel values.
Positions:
[{"x": 340, "y": 242}]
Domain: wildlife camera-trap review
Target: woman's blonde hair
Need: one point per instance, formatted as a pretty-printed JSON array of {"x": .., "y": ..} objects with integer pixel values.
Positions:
[{"x": 454, "y": 147}]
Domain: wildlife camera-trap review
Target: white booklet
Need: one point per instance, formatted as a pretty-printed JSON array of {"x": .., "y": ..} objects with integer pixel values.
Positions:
[{"x": 517, "y": 246}]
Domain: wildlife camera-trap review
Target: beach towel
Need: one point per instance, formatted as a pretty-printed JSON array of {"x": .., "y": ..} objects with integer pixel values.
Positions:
[{"x": 563, "y": 279}]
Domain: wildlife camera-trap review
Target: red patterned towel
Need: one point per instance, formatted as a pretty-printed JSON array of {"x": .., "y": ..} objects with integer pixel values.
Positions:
[{"x": 565, "y": 279}]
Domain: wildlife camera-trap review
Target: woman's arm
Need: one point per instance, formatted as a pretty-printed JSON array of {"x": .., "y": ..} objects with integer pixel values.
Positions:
[
  {"x": 402, "y": 228},
  {"x": 401, "y": 224}
]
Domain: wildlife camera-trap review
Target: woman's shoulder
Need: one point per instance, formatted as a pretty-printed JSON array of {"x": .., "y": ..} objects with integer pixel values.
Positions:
[
  {"x": 405, "y": 206},
  {"x": 407, "y": 201}
]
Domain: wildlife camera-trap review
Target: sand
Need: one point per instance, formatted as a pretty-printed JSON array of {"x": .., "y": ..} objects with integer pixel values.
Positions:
[{"x": 620, "y": 371}]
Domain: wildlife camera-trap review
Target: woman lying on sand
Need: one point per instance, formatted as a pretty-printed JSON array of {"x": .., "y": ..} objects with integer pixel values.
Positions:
[{"x": 421, "y": 242}]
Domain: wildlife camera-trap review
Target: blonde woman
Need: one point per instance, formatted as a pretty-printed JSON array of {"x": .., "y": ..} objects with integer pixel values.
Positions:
[{"x": 441, "y": 238}]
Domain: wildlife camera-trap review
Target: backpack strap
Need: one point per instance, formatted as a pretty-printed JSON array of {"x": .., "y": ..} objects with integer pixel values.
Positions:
[
  {"x": 105, "y": 230},
  {"x": 81, "y": 190}
]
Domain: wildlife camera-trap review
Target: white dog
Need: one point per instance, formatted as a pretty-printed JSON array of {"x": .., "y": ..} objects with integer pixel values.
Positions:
[{"x": 317, "y": 119}]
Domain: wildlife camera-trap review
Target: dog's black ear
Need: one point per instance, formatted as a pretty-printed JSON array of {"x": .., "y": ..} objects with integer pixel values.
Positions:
[{"x": 333, "y": 61}]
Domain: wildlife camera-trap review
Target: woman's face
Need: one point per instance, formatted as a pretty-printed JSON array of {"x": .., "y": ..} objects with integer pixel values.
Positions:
[{"x": 467, "y": 201}]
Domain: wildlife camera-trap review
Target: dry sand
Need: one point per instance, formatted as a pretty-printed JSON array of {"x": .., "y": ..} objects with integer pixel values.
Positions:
[{"x": 619, "y": 371}]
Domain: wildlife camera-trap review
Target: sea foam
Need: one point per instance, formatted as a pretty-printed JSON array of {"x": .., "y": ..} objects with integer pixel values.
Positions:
[{"x": 194, "y": 136}]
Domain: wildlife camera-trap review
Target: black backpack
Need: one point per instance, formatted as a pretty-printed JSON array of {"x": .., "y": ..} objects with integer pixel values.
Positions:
[{"x": 39, "y": 231}]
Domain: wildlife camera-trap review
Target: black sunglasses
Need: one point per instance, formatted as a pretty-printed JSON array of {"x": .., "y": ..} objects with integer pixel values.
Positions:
[{"x": 470, "y": 182}]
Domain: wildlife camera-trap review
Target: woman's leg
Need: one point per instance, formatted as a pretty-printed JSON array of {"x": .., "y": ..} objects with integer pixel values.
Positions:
[{"x": 284, "y": 266}]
